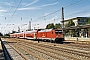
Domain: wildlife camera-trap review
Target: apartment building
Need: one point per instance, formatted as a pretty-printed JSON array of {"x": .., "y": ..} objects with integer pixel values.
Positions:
[{"x": 80, "y": 29}]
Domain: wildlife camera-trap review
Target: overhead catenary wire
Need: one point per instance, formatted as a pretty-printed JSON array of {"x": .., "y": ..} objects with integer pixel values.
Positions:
[
  {"x": 78, "y": 12},
  {"x": 59, "y": 10},
  {"x": 11, "y": 7},
  {"x": 73, "y": 3},
  {"x": 73, "y": 14},
  {"x": 83, "y": 11},
  {"x": 40, "y": 10},
  {"x": 13, "y": 12},
  {"x": 6, "y": 17},
  {"x": 36, "y": 12},
  {"x": 16, "y": 9},
  {"x": 50, "y": 13}
]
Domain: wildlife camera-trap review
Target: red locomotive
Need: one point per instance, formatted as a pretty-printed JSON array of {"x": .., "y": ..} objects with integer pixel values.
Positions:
[{"x": 52, "y": 35}]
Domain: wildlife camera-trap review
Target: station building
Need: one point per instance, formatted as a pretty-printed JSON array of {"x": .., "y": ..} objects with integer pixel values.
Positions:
[{"x": 81, "y": 27}]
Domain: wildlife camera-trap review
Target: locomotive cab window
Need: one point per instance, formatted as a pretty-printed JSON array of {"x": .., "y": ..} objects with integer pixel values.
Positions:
[{"x": 58, "y": 31}]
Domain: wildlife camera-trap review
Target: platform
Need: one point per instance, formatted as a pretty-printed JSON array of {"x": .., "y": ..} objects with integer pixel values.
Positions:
[
  {"x": 14, "y": 55},
  {"x": 1, "y": 52}
]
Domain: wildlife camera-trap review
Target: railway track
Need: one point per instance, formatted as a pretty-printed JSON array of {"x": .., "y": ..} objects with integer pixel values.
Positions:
[
  {"x": 41, "y": 53},
  {"x": 79, "y": 46},
  {"x": 50, "y": 51},
  {"x": 71, "y": 52},
  {"x": 47, "y": 52},
  {"x": 24, "y": 53}
]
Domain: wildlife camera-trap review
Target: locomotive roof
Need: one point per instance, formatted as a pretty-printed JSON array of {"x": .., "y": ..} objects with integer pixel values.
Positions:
[
  {"x": 31, "y": 31},
  {"x": 45, "y": 30},
  {"x": 14, "y": 33}
]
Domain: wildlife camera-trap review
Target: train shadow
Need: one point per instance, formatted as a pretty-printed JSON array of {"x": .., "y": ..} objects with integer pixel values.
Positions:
[
  {"x": 67, "y": 42},
  {"x": 40, "y": 40},
  {"x": 64, "y": 42}
]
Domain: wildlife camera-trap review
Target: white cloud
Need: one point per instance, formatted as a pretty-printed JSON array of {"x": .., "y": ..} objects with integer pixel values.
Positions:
[
  {"x": 1, "y": 15},
  {"x": 38, "y": 7},
  {"x": 86, "y": 15},
  {"x": 0, "y": 7},
  {"x": 23, "y": 4},
  {"x": 6, "y": 3},
  {"x": 3, "y": 11},
  {"x": 46, "y": 14},
  {"x": 47, "y": 5},
  {"x": 31, "y": 8},
  {"x": 31, "y": 3}
]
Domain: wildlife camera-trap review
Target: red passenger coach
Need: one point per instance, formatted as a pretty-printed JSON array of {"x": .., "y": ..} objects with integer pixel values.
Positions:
[
  {"x": 21, "y": 35},
  {"x": 17, "y": 35},
  {"x": 11, "y": 35},
  {"x": 30, "y": 34}
]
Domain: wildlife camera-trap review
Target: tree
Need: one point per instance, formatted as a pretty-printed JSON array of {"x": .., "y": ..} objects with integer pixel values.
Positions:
[
  {"x": 88, "y": 22},
  {"x": 7, "y": 34},
  {"x": 13, "y": 31},
  {"x": 58, "y": 25},
  {"x": 1, "y": 34},
  {"x": 70, "y": 23},
  {"x": 49, "y": 26}
]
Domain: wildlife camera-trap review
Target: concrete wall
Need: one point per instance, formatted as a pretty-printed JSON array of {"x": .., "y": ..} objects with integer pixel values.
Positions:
[{"x": 76, "y": 39}]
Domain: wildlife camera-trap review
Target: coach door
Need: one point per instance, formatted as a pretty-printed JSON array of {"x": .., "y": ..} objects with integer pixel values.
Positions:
[{"x": 34, "y": 35}]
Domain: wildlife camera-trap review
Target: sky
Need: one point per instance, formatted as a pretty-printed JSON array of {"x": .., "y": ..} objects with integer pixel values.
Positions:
[{"x": 18, "y": 13}]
